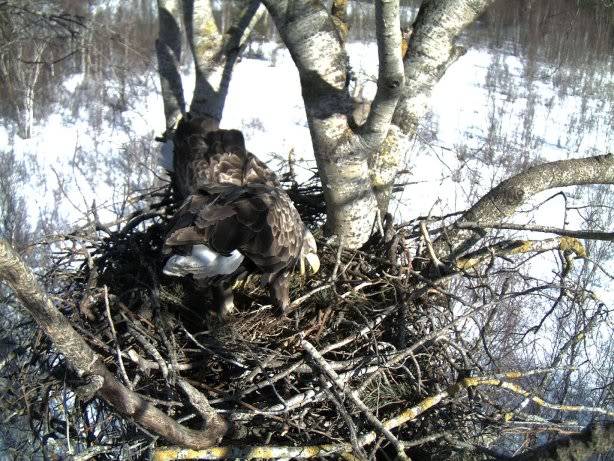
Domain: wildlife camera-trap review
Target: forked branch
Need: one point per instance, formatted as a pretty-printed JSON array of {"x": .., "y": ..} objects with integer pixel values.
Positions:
[
  {"x": 503, "y": 201},
  {"x": 89, "y": 366}
]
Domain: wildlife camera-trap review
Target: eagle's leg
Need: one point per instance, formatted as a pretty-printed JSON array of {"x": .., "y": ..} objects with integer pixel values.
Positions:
[
  {"x": 280, "y": 292},
  {"x": 223, "y": 299}
]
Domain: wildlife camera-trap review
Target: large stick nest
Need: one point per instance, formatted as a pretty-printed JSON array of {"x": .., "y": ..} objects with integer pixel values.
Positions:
[{"x": 360, "y": 311}]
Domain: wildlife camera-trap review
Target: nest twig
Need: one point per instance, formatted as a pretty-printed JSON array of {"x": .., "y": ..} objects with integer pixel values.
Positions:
[{"x": 382, "y": 336}]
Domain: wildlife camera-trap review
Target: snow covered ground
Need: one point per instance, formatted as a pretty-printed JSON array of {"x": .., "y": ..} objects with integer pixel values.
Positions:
[
  {"x": 471, "y": 112},
  {"x": 487, "y": 121}
]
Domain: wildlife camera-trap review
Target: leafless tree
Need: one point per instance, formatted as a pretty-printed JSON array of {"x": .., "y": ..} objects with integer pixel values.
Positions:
[
  {"x": 434, "y": 324},
  {"x": 34, "y": 36}
]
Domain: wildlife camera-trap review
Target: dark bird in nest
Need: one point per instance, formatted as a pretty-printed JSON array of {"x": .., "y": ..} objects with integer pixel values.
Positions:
[
  {"x": 200, "y": 155},
  {"x": 235, "y": 217}
]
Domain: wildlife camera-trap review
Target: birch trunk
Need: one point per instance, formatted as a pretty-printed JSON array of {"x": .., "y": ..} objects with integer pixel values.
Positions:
[
  {"x": 168, "y": 50},
  {"x": 358, "y": 165},
  {"x": 343, "y": 153},
  {"x": 431, "y": 51},
  {"x": 214, "y": 54}
]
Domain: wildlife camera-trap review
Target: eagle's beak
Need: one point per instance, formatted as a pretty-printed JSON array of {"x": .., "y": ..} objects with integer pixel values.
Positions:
[{"x": 314, "y": 262}]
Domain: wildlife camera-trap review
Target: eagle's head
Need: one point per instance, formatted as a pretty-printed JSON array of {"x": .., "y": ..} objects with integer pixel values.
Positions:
[{"x": 309, "y": 252}]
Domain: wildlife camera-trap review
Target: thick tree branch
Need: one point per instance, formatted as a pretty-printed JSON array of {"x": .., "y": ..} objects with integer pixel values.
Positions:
[
  {"x": 377, "y": 135},
  {"x": 312, "y": 39},
  {"x": 88, "y": 365},
  {"x": 214, "y": 55},
  {"x": 168, "y": 49},
  {"x": 390, "y": 79},
  {"x": 235, "y": 40},
  {"x": 205, "y": 42},
  {"x": 576, "y": 233},
  {"x": 431, "y": 52},
  {"x": 310, "y": 35},
  {"x": 503, "y": 201}
]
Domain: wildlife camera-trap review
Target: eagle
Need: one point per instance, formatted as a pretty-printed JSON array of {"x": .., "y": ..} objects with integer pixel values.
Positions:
[
  {"x": 235, "y": 217},
  {"x": 204, "y": 155}
]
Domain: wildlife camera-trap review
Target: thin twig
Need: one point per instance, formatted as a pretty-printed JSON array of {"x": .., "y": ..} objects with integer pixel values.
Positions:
[
  {"x": 113, "y": 332},
  {"x": 353, "y": 396}
]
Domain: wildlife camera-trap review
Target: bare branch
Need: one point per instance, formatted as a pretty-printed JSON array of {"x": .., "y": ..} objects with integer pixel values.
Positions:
[
  {"x": 502, "y": 201},
  {"x": 87, "y": 363},
  {"x": 235, "y": 40},
  {"x": 114, "y": 333},
  {"x": 516, "y": 389},
  {"x": 353, "y": 396}
]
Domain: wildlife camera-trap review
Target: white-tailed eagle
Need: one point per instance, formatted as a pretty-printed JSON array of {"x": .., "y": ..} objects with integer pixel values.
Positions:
[{"x": 235, "y": 216}]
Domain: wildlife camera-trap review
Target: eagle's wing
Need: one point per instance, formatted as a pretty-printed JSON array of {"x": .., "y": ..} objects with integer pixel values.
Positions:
[
  {"x": 257, "y": 221},
  {"x": 278, "y": 243},
  {"x": 257, "y": 172},
  {"x": 234, "y": 207},
  {"x": 204, "y": 156}
]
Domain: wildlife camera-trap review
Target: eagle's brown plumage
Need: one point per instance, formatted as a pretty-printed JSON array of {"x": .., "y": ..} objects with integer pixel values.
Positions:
[
  {"x": 235, "y": 215},
  {"x": 203, "y": 157}
]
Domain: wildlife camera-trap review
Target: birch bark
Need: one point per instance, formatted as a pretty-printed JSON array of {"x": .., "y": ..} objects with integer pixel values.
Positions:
[
  {"x": 168, "y": 50},
  {"x": 358, "y": 165},
  {"x": 343, "y": 153},
  {"x": 214, "y": 54},
  {"x": 431, "y": 51}
]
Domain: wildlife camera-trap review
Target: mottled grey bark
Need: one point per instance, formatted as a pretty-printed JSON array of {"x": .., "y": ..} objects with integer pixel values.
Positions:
[
  {"x": 432, "y": 50},
  {"x": 88, "y": 365},
  {"x": 357, "y": 165},
  {"x": 503, "y": 201},
  {"x": 213, "y": 51},
  {"x": 205, "y": 42},
  {"x": 168, "y": 50},
  {"x": 379, "y": 136},
  {"x": 390, "y": 76},
  {"x": 343, "y": 153}
]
